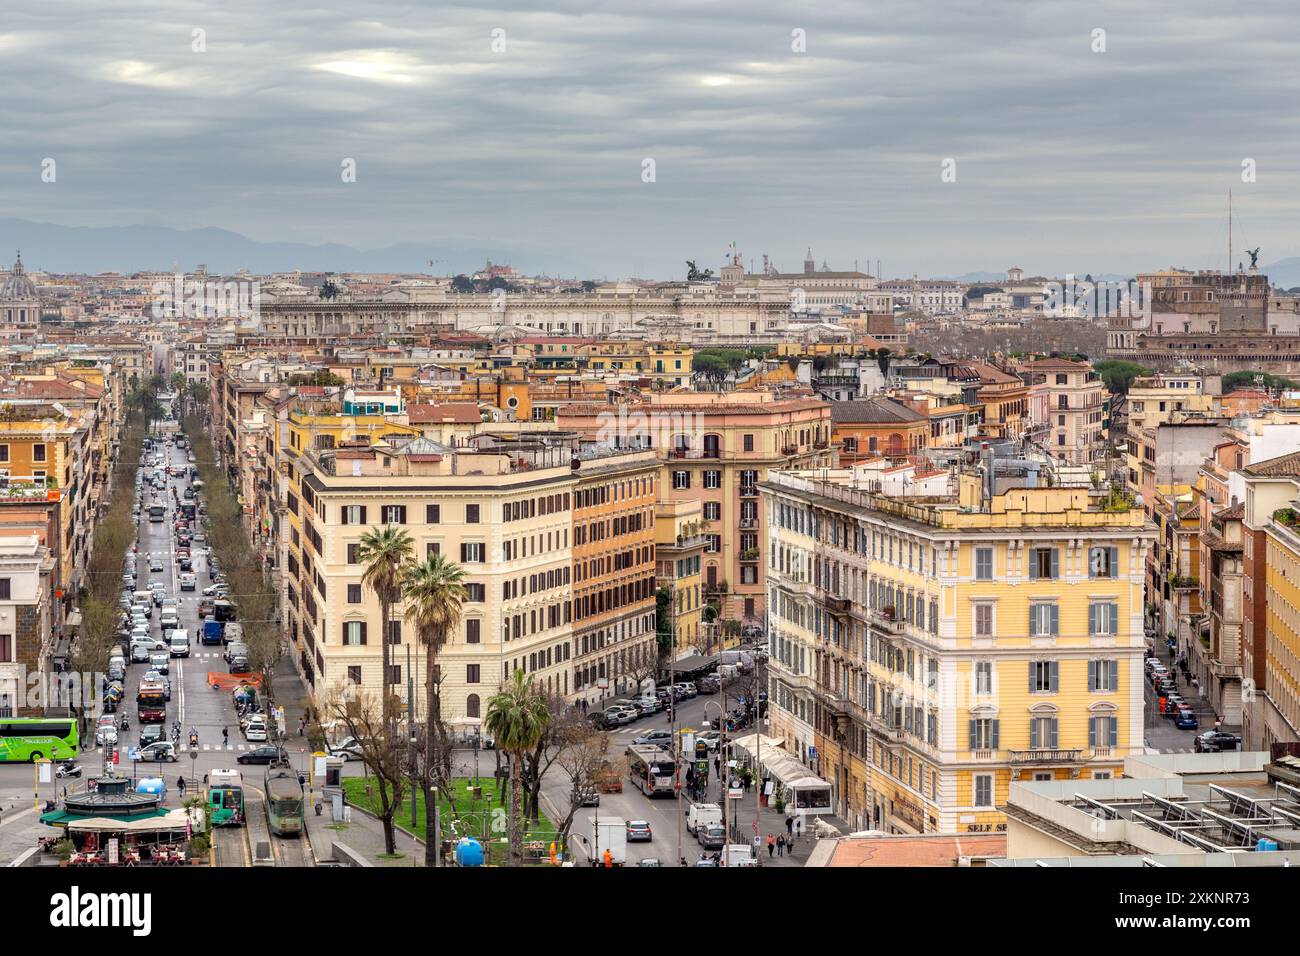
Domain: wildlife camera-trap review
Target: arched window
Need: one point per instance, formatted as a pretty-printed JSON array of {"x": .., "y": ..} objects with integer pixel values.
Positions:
[{"x": 471, "y": 706}]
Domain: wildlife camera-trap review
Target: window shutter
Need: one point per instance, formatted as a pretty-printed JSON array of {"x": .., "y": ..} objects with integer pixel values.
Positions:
[
  {"x": 1112, "y": 675},
  {"x": 1113, "y": 736},
  {"x": 1114, "y": 563},
  {"x": 1112, "y": 612},
  {"x": 973, "y": 735},
  {"x": 363, "y": 632},
  {"x": 1033, "y": 733},
  {"x": 1033, "y": 675},
  {"x": 995, "y": 733},
  {"x": 1052, "y": 727},
  {"x": 362, "y": 514},
  {"x": 1092, "y": 618},
  {"x": 1033, "y": 564},
  {"x": 1054, "y": 675},
  {"x": 1033, "y": 620},
  {"x": 1093, "y": 683},
  {"x": 345, "y": 632},
  {"x": 1092, "y": 562},
  {"x": 1056, "y": 620},
  {"x": 1092, "y": 732},
  {"x": 1056, "y": 563},
  {"x": 343, "y": 514}
]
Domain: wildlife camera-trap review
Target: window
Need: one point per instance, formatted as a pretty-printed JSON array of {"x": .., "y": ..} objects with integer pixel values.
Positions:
[
  {"x": 6, "y": 648},
  {"x": 983, "y": 620},
  {"x": 712, "y": 510},
  {"x": 1103, "y": 732},
  {"x": 354, "y": 593},
  {"x": 472, "y": 706},
  {"x": 352, "y": 514},
  {"x": 1103, "y": 618},
  {"x": 354, "y": 633},
  {"x": 6, "y": 591},
  {"x": 983, "y": 677},
  {"x": 983, "y": 564},
  {"x": 1042, "y": 733},
  {"x": 1044, "y": 677},
  {"x": 472, "y": 551},
  {"x": 354, "y": 551},
  {"x": 712, "y": 479},
  {"x": 984, "y": 733},
  {"x": 471, "y": 673},
  {"x": 475, "y": 591},
  {"x": 473, "y": 630},
  {"x": 354, "y": 673},
  {"x": 1044, "y": 620},
  {"x": 1103, "y": 562},
  {"x": 471, "y": 514},
  {"x": 433, "y": 514},
  {"x": 1044, "y": 563},
  {"x": 4, "y": 452},
  {"x": 1103, "y": 676},
  {"x": 984, "y": 790},
  {"x": 432, "y": 548},
  {"x": 38, "y": 453},
  {"x": 681, "y": 480},
  {"x": 393, "y": 514},
  {"x": 395, "y": 631},
  {"x": 850, "y": 444}
]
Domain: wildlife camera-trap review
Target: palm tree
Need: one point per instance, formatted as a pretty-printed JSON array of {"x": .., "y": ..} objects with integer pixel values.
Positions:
[
  {"x": 434, "y": 594},
  {"x": 517, "y": 718},
  {"x": 384, "y": 551}
]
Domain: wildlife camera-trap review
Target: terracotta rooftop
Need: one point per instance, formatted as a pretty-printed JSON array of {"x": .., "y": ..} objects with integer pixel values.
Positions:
[
  {"x": 873, "y": 411},
  {"x": 937, "y": 850},
  {"x": 461, "y": 413},
  {"x": 1283, "y": 466}
]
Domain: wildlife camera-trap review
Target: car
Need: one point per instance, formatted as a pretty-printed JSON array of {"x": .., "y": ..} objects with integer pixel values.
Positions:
[
  {"x": 152, "y": 733},
  {"x": 214, "y": 590},
  {"x": 712, "y": 837},
  {"x": 645, "y": 707},
  {"x": 106, "y": 737},
  {"x": 590, "y": 798},
  {"x": 116, "y": 672},
  {"x": 160, "y": 661},
  {"x": 158, "y": 751},
  {"x": 1185, "y": 719},
  {"x": 650, "y": 861},
  {"x": 155, "y": 564},
  {"x": 150, "y": 642},
  {"x": 638, "y": 831},
  {"x": 706, "y": 685},
  {"x": 710, "y": 738},
  {"x": 619, "y": 716},
  {"x": 186, "y": 564},
  {"x": 705, "y": 861},
  {"x": 140, "y": 653},
  {"x": 349, "y": 748},
  {"x": 105, "y": 721},
  {"x": 687, "y": 690},
  {"x": 655, "y": 738},
  {"x": 255, "y": 732},
  {"x": 1215, "y": 741},
  {"x": 267, "y": 754}
]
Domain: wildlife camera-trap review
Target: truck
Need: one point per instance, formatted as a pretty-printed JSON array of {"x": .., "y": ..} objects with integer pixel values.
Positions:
[
  {"x": 234, "y": 631},
  {"x": 607, "y": 833},
  {"x": 740, "y": 854},
  {"x": 211, "y": 631}
]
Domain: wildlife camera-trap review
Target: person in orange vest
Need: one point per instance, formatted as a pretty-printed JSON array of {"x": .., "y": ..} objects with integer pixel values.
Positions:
[
  {"x": 552, "y": 853},
  {"x": 1163, "y": 701},
  {"x": 609, "y": 858}
]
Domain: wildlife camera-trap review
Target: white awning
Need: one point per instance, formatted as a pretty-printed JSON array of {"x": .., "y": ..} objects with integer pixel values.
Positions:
[
  {"x": 792, "y": 773},
  {"x": 771, "y": 746}
]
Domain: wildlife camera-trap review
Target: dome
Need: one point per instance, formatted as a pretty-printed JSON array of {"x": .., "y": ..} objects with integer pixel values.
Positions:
[{"x": 18, "y": 288}]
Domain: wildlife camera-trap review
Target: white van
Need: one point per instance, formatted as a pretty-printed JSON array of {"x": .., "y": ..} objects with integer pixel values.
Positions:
[
  {"x": 187, "y": 581},
  {"x": 702, "y": 815},
  {"x": 179, "y": 643}
]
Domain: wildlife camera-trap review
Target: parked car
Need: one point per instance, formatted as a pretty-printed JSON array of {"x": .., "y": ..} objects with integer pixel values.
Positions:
[
  {"x": 712, "y": 837},
  {"x": 710, "y": 738},
  {"x": 140, "y": 653},
  {"x": 349, "y": 748},
  {"x": 255, "y": 732}
]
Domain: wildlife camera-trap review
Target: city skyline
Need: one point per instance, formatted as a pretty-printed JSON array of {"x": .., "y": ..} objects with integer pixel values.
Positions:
[{"x": 525, "y": 133}]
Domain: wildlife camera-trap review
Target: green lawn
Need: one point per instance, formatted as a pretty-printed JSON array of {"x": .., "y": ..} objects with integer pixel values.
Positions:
[{"x": 470, "y": 817}]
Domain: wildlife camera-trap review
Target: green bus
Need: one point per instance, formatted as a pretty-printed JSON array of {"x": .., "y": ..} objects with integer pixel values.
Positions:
[{"x": 25, "y": 739}]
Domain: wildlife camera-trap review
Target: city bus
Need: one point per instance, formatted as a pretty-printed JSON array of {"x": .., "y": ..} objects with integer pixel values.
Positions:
[
  {"x": 651, "y": 769},
  {"x": 151, "y": 702},
  {"x": 157, "y": 513},
  {"x": 24, "y": 739},
  {"x": 284, "y": 801}
]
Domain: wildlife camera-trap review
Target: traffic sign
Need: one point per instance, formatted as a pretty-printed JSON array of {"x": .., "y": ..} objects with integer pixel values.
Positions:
[{"x": 133, "y": 753}]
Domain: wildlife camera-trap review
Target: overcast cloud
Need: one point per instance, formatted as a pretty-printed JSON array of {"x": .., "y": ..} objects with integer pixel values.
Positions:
[{"x": 1065, "y": 158}]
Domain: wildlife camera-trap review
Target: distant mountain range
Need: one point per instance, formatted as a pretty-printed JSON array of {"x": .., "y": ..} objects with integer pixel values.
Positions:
[
  {"x": 54, "y": 248},
  {"x": 1285, "y": 273}
]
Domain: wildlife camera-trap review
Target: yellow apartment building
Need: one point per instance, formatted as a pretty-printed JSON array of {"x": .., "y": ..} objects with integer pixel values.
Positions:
[
  {"x": 926, "y": 653},
  {"x": 679, "y": 556}
]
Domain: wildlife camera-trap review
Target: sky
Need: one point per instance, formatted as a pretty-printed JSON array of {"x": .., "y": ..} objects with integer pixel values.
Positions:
[{"x": 529, "y": 128}]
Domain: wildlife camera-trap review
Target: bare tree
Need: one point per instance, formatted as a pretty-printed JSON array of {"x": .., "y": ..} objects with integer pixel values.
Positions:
[
  {"x": 584, "y": 760},
  {"x": 362, "y": 713},
  {"x": 566, "y": 724}
]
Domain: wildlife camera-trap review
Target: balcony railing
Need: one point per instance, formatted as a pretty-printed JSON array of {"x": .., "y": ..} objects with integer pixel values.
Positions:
[
  {"x": 749, "y": 522},
  {"x": 837, "y": 605},
  {"x": 983, "y": 753},
  {"x": 1044, "y": 756},
  {"x": 790, "y": 450},
  {"x": 888, "y": 623},
  {"x": 749, "y": 491},
  {"x": 1222, "y": 669}
]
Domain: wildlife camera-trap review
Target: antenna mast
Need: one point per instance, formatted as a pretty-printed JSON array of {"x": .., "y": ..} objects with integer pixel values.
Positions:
[{"x": 1229, "y": 232}]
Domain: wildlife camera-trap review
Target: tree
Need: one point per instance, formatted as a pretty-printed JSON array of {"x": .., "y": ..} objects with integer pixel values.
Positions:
[
  {"x": 582, "y": 758},
  {"x": 1118, "y": 375},
  {"x": 434, "y": 594},
  {"x": 537, "y": 760},
  {"x": 363, "y": 716},
  {"x": 462, "y": 284},
  {"x": 320, "y": 377},
  {"x": 517, "y": 717},
  {"x": 1238, "y": 380},
  {"x": 384, "y": 552}
]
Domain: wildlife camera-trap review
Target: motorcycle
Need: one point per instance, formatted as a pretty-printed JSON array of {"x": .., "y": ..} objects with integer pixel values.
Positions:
[
  {"x": 67, "y": 770},
  {"x": 124, "y": 724}
]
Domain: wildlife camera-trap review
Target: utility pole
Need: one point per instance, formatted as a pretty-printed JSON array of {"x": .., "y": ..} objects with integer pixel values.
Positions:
[{"x": 410, "y": 728}]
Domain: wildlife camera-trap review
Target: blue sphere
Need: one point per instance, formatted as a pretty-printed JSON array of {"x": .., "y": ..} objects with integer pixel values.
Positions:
[{"x": 469, "y": 852}]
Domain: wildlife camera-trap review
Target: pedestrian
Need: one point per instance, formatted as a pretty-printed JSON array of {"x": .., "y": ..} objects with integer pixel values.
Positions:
[
  {"x": 771, "y": 845},
  {"x": 225, "y": 736},
  {"x": 180, "y": 785},
  {"x": 798, "y": 828},
  {"x": 609, "y": 859},
  {"x": 302, "y": 725},
  {"x": 780, "y": 845},
  {"x": 717, "y": 767},
  {"x": 789, "y": 823}
]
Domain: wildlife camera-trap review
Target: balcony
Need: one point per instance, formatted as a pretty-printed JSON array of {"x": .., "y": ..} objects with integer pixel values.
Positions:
[
  {"x": 750, "y": 556},
  {"x": 1041, "y": 756},
  {"x": 749, "y": 491},
  {"x": 821, "y": 445},
  {"x": 790, "y": 449},
  {"x": 746, "y": 523},
  {"x": 1224, "y": 670},
  {"x": 984, "y": 755},
  {"x": 835, "y": 604},
  {"x": 884, "y": 620}
]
